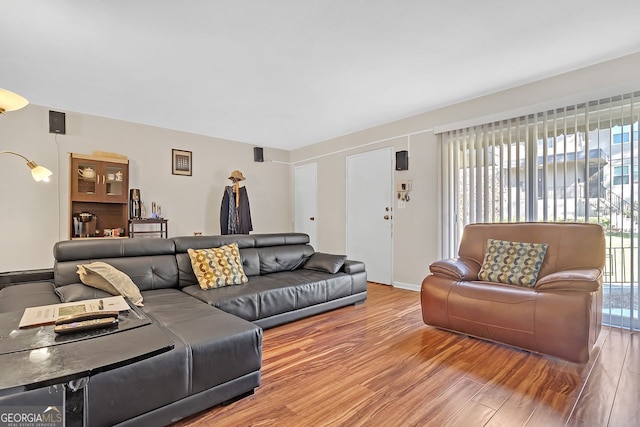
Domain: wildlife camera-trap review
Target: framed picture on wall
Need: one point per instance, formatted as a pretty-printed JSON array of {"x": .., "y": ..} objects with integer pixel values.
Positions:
[{"x": 180, "y": 162}]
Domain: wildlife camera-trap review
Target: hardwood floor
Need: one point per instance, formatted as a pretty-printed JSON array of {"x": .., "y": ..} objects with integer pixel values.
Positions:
[{"x": 378, "y": 364}]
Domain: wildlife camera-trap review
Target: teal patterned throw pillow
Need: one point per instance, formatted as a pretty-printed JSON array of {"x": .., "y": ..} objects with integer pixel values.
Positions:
[{"x": 513, "y": 263}]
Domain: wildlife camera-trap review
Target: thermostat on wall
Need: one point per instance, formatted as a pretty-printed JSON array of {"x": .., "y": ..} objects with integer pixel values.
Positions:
[{"x": 404, "y": 185}]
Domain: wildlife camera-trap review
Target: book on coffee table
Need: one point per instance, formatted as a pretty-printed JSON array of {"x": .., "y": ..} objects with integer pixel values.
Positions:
[{"x": 48, "y": 314}]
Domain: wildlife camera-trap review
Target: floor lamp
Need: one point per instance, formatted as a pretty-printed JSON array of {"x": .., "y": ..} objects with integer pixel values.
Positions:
[{"x": 10, "y": 101}]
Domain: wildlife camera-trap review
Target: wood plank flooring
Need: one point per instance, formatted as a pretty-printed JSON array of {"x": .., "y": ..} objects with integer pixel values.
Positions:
[{"x": 378, "y": 364}]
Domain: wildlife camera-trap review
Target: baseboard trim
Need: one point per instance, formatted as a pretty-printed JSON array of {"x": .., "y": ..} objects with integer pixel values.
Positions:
[{"x": 407, "y": 286}]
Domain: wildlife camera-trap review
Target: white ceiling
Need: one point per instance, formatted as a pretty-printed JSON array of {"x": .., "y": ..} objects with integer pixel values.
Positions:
[{"x": 289, "y": 73}]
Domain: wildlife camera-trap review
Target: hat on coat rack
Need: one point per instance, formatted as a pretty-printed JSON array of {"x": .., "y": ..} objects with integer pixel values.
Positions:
[{"x": 237, "y": 176}]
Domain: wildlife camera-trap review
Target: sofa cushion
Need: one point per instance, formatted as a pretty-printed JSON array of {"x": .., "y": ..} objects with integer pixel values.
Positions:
[
  {"x": 501, "y": 313},
  {"x": 218, "y": 267},
  {"x": 280, "y": 239},
  {"x": 116, "y": 395},
  {"x": 222, "y": 346},
  {"x": 212, "y": 349},
  {"x": 274, "y": 259},
  {"x": 239, "y": 300},
  {"x": 512, "y": 263},
  {"x": 107, "y": 278},
  {"x": 150, "y": 263},
  {"x": 21, "y": 296},
  {"x": 79, "y": 292},
  {"x": 326, "y": 263},
  {"x": 276, "y": 293}
]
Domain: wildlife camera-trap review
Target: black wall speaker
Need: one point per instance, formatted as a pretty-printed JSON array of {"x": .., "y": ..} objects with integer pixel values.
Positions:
[
  {"x": 258, "y": 154},
  {"x": 402, "y": 160},
  {"x": 56, "y": 122}
]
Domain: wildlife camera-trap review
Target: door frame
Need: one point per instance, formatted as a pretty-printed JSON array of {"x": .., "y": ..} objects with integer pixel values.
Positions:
[{"x": 313, "y": 239}]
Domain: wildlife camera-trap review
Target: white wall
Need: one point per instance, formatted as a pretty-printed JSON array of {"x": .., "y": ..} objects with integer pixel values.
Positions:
[
  {"x": 33, "y": 216},
  {"x": 416, "y": 227},
  {"x": 31, "y": 221}
]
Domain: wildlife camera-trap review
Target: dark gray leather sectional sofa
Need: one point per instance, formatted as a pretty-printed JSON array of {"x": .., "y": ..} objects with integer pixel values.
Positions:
[{"x": 217, "y": 333}]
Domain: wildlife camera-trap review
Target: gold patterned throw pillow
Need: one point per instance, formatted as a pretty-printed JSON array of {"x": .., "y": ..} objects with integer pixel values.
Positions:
[
  {"x": 217, "y": 267},
  {"x": 513, "y": 263}
]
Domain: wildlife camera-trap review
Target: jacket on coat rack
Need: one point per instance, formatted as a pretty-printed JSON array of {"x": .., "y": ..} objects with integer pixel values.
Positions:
[{"x": 232, "y": 220}]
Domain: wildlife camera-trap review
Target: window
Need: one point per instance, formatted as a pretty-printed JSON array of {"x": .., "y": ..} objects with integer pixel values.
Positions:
[
  {"x": 620, "y": 175},
  {"x": 621, "y": 172},
  {"x": 619, "y": 138},
  {"x": 557, "y": 165},
  {"x": 622, "y": 134}
]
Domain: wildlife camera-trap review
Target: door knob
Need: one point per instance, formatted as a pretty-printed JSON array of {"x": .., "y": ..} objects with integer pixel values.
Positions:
[
  {"x": 386, "y": 217},
  {"x": 313, "y": 218}
]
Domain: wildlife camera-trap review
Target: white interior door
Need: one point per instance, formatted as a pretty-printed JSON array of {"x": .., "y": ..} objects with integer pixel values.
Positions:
[
  {"x": 306, "y": 201},
  {"x": 369, "y": 212}
]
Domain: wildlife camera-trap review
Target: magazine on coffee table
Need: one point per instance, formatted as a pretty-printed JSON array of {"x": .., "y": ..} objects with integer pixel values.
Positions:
[{"x": 48, "y": 314}]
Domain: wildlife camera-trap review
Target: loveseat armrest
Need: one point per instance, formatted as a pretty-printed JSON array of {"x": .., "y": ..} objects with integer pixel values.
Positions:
[
  {"x": 456, "y": 268},
  {"x": 351, "y": 267},
  {"x": 588, "y": 280}
]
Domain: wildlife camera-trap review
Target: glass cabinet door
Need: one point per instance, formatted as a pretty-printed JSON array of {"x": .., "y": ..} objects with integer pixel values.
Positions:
[
  {"x": 86, "y": 177},
  {"x": 115, "y": 180}
]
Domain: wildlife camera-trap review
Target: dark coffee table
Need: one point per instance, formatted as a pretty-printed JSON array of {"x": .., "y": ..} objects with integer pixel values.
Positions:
[{"x": 37, "y": 357}]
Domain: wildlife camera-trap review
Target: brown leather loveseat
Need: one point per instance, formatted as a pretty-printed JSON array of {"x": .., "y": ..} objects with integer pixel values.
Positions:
[{"x": 560, "y": 315}]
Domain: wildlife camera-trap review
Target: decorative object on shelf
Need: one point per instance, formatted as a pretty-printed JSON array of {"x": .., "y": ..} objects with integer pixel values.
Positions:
[
  {"x": 235, "y": 212},
  {"x": 87, "y": 173},
  {"x": 10, "y": 101},
  {"x": 156, "y": 211},
  {"x": 39, "y": 173},
  {"x": 181, "y": 162}
]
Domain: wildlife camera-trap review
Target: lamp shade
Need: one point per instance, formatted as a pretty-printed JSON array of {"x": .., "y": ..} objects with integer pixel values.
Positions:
[
  {"x": 10, "y": 101},
  {"x": 39, "y": 173}
]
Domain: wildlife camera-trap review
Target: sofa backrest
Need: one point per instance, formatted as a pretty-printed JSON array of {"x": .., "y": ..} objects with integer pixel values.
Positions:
[
  {"x": 571, "y": 245},
  {"x": 260, "y": 253},
  {"x": 164, "y": 263},
  {"x": 151, "y": 263}
]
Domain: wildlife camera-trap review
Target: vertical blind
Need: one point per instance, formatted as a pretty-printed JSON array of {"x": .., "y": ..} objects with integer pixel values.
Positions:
[{"x": 578, "y": 163}]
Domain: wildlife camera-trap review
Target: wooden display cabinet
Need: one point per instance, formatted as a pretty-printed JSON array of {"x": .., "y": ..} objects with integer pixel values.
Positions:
[
  {"x": 99, "y": 179},
  {"x": 99, "y": 185}
]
